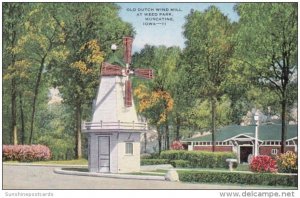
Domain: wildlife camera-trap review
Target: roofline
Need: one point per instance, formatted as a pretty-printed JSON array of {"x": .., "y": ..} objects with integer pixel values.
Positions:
[
  {"x": 296, "y": 137},
  {"x": 238, "y": 136}
]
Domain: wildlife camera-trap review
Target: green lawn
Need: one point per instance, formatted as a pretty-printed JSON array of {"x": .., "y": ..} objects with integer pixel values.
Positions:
[
  {"x": 60, "y": 162},
  {"x": 242, "y": 167}
]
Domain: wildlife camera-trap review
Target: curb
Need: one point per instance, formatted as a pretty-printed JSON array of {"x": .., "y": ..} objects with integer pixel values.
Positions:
[
  {"x": 110, "y": 175},
  {"x": 45, "y": 165}
]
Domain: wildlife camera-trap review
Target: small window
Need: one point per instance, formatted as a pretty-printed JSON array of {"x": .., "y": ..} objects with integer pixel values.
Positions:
[
  {"x": 274, "y": 151},
  {"x": 129, "y": 148}
]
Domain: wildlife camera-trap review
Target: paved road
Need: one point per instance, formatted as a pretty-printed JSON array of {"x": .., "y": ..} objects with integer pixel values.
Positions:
[{"x": 41, "y": 177}]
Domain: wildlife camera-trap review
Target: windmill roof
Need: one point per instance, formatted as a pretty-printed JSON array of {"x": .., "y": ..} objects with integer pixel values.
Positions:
[{"x": 265, "y": 132}]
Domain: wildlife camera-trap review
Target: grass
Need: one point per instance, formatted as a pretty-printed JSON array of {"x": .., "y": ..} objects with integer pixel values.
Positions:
[
  {"x": 159, "y": 171},
  {"x": 242, "y": 167},
  {"x": 76, "y": 169},
  {"x": 58, "y": 162},
  {"x": 144, "y": 173}
]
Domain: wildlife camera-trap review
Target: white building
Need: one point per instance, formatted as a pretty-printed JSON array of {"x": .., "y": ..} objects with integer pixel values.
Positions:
[{"x": 114, "y": 133}]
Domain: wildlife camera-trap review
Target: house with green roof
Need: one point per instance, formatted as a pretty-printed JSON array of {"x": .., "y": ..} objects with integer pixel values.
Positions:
[{"x": 241, "y": 140}]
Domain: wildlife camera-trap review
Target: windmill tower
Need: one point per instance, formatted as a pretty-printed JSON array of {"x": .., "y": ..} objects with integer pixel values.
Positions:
[{"x": 114, "y": 132}]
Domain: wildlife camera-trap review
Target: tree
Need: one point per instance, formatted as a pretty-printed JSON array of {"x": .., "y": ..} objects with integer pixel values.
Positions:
[
  {"x": 164, "y": 62},
  {"x": 267, "y": 49},
  {"x": 207, "y": 55},
  {"x": 14, "y": 68},
  {"x": 85, "y": 27},
  {"x": 154, "y": 105}
]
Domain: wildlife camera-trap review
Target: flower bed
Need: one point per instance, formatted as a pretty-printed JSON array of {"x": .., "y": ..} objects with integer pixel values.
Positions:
[
  {"x": 287, "y": 162},
  {"x": 263, "y": 164},
  {"x": 25, "y": 153}
]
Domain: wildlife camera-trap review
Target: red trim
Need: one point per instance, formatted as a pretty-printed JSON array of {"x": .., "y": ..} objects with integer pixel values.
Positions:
[
  {"x": 144, "y": 73},
  {"x": 127, "y": 42},
  {"x": 128, "y": 94},
  {"x": 110, "y": 70}
]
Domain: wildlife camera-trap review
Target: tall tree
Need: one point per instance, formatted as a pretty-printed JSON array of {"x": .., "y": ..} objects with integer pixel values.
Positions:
[
  {"x": 164, "y": 62},
  {"x": 86, "y": 27},
  {"x": 13, "y": 66},
  {"x": 267, "y": 49},
  {"x": 208, "y": 52}
]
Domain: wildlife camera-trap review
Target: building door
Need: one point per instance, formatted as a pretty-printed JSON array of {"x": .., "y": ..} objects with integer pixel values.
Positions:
[
  {"x": 103, "y": 154},
  {"x": 245, "y": 151}
]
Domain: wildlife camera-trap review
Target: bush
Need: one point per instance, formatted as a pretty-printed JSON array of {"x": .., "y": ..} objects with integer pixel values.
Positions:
[
  {"x": 177, "y": 145},
  {"x": 287, "y": 162},
  {"x": 150, "y": 156},
  {"x": 238, "y": 178},
  {"x": 263, "y": 164},
  {"x": 199, "y": 159},
  {"x": 25, "y": 153},
  {"x": 180, "y": 163},
  {"x": 154, "y": 161},
  {"x": 145, "y": 156}
]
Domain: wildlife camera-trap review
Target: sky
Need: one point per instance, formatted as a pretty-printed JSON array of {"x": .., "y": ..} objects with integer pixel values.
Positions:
[{"x": 170, "y": 33}]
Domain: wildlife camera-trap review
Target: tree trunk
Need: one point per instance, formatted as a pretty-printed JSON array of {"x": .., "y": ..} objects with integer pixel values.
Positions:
[
  {"x": 145, "y": 138},
  {"x": 36, "y": 91},
  {"x": 159, "y": 139},
  {"x": 213, "y": 122},
  {"x": 177, "y": 126},
  {"x": 167, "y": 147},
  {"x": 22, "y": 120},
  {"x": 283, "y": 124},
  {"x": 78, "y": 151},
  {"x": 14, "y": 112}
]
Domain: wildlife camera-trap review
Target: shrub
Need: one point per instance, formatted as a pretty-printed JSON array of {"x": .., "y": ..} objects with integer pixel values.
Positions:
[
  {"x": 263, "y": 164},
  {"x": 287, "y": 162},
  {"x": 154, "y": 161},
  {"x": 199, "y": 159},
  {"x": 145, "y": 156},
  {"x": 180, "y": 163},
  {"x": 238, "y": 178},
  {"x": 25, "y": 153},
  {"x": 177, "y": 145}
]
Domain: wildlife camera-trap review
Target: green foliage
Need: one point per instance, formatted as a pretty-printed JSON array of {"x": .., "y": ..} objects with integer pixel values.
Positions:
[
  {"x": 180, "y": 163},
  {"x": 199, "y": 159},
  {"x": 238, "y": 178},
  {"x": 207, "y": 55},
  {"x": 199, "y": 115},
  {"x": 150, "y": 156},
  {"x": 154, "y": 161},
  {"x": 153, "y": 98},
  {"x": 54, "y": 45}
]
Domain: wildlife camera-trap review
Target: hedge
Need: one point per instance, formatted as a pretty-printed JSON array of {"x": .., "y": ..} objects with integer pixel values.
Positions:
[
  {"x": 238, "y": 178},
  {"x": 199, "y": 159},
  {"x": 154, "y": 161},
  {"x": 180, "y": 163},
  {"x": 25, "y": 153}
]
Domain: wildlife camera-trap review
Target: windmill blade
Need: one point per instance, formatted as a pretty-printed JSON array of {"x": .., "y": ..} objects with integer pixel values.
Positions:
[
  {"x": 127, "y": 42},
  {"x": 144, "y": 73},
  {"x": 128, "y": 94},
  {"x": 110, "y": 70}
]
